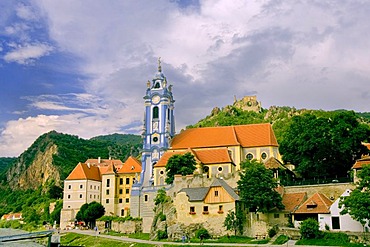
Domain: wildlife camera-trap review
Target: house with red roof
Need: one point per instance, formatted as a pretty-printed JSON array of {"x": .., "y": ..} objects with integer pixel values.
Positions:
[
  {"x": 220, "y": 150},
  {"x": 99, "y": 180}
]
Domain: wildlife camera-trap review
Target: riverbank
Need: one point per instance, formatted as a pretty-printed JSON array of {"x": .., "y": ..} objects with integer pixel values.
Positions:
[{"x": 23, "y": 243}]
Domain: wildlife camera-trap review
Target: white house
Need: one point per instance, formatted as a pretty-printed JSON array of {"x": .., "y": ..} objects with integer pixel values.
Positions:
[{"x": 337, "y": 222}]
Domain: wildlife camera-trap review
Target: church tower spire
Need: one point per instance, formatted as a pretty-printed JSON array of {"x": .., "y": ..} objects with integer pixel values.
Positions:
[{"x": 159, "y": 123}]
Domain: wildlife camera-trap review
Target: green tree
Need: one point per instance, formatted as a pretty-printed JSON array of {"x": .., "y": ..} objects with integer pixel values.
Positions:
[
  {"x": 324, "y": 146},
  {"x": 257, "y": 188},
  {"x": 89, "y": 212},
  {"x": 309, "y": 229},
  {"x": 234, "y": 221},
  {"x": 357, "y": 203},
  {"x": 55, "y": 215},
  {"x": 161, "y": 198},
  {"x": 179, "y": 164}
]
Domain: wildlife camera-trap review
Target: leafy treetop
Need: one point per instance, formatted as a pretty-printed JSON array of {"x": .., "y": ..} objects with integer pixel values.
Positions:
[
  {"x": 257, "y": 187},
  {"x": 179, "y": 164},
  {"x": 357, "y": 203}
]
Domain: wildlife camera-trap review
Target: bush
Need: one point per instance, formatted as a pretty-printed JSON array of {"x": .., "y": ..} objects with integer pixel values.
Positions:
[
  {"x": 162, "y": 216},
  {"x": 161, "y": 235},
  {"x": 309, "y": 229},
  {"x": 272, "y": 232},
  {"x": 202, "y": 232},
  {"x": 282, "y": 239}
]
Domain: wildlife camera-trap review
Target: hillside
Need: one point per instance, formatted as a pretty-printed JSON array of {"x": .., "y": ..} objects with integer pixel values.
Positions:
[
  {"x": 30, "y": 182},
  {"x": 279, "y": 117},
  {"x": 53, "y": 156}
]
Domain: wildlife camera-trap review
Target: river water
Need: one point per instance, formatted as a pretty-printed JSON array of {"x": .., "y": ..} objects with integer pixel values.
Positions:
[{"x": 23, "y": 243}]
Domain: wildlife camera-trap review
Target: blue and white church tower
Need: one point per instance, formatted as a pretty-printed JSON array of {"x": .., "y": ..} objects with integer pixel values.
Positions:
[
  {"x": 159, "y": 123},
  {"x": 158, "y": 130}
]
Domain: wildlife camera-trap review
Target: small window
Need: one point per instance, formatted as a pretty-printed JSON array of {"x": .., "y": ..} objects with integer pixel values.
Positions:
[
  {"x": 249, "y": 156},
  {"x": 120, "y": 191},
  {"x": 94, "y": 187},
  {"x": 120, "y": 200},
  {"x": 220, "y": 209},
  {"x": 69, "y": 206},
  {"x": 107, "y": 192},
  {"x": 121, "y": 181},
  {"x": 219, "y": 169},
  {"x": 69, "y": 196},
  {"x": 90, "y": 196},
  {"x": 216, "y": 192},
  {"x": 276, "y": 216},
  {"x": 192, "y": 209},
  {"x": 94, "y": 196},
  {"x": 205, "y": 209},
  {"x": 69, "y": 187},
  {"x": 127, "y": 180},
  {"x": 98, "y": 187},
  {"x": 90, "y": 187},
  {"x": 122, "y": 212},
  {"x": 161, "y": 172},
  {"x": 127, "y": 200},
  {"x": 335, "y": 224},
  {"x": 286, "y": 215},
  {"x": 81, "y": 186},
  {"x": 127, "y": 191},
  {"x": 108, "y": 182},
  {"x": 107, "y": 201},
  {"x": 263, "y": 156},
  {"x": 80, "y": 195},
  {"x": 155, "y": 112},
  {"x": 146, "y": 197},
  {"x": 98, "y": 196}
]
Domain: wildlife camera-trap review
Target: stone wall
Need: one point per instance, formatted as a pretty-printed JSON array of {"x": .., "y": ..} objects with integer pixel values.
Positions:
[
  {"x": 127, "y": 227},
  {"x": 332, "y": 191}
]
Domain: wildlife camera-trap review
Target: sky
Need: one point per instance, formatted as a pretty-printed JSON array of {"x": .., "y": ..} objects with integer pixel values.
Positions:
[{"x": 80, "y": 67}]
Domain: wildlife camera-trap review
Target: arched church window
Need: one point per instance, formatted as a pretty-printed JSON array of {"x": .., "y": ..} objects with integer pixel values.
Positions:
[{"x": 155, "y": 112}]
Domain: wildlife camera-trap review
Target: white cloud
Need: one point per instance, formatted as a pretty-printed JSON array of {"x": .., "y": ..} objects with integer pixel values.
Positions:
[
  {"x": 308, "y": 54},
  {"x": 27, "y": 53}
]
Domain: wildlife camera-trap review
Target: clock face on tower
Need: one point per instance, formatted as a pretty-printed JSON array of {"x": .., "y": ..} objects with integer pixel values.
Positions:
[{"x": 156, "y": 99}]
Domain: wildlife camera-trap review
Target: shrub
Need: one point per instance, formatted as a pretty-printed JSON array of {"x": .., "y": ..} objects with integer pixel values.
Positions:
[
  {"x": 162, "y": 216},
  {"x": 161, "y": 235},
  {"x": 202, "y": 232},
  {"x": 282, "y": 239},
  {"x": 272, "y": 232},
  {"x": 309, "y": 229}
]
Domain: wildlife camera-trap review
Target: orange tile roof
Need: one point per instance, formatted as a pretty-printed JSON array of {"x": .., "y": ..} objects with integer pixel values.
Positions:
[
  {"x": 316, "y": 204},
  {"x": 256, "y": 135},
  {"x": 251, "y": 135},
  {"x": 361, "y": 162},
  {"x": 132, "y": 165},
  {"x": 104, "y": 162},
  {"x": 162, "y": 162},
  {"x": 366, "y": 145},
  {"x": 83, "y": 171},
  {"x": 292, "y": 201},
  {"x": 213, "y": 156},
  {"x": 111, "y": 169}
]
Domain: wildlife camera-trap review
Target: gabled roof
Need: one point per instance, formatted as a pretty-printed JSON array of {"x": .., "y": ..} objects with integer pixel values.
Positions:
[
  {"x": 213, "y": 156},
  {"x": 109, "y": 170},
  {"x": 85, "y": 172},
  {"x": 195, "y": 194},
  {"x": 316, "y": 204},
  {"x": 273, "y": 163},
  {"x": 221, "y": 183},
  {"x": 132, "y": 165},
  {"x": 200, "y": 193},
  {"x": 252, "y": 135},
  {"x": 361, "y": 162},
  {"x": 292, "y": 201}
]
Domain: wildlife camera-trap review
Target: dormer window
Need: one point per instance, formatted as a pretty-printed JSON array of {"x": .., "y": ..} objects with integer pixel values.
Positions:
[{"x": 157, "y": 84}]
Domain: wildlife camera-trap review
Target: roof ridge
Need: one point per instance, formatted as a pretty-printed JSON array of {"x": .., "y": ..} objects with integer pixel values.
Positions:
[{"x": 235, "y": 135}]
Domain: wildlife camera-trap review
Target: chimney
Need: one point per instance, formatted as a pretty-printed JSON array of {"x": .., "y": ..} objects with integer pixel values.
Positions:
[
  {"x": 88, "y": 165},
  {"x": 99, "y": 160}
]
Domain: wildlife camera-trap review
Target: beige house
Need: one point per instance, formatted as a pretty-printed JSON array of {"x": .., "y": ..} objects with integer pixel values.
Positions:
[
  {"x": 207, "y": 205},
  {"x": 98, "y": 180}
]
